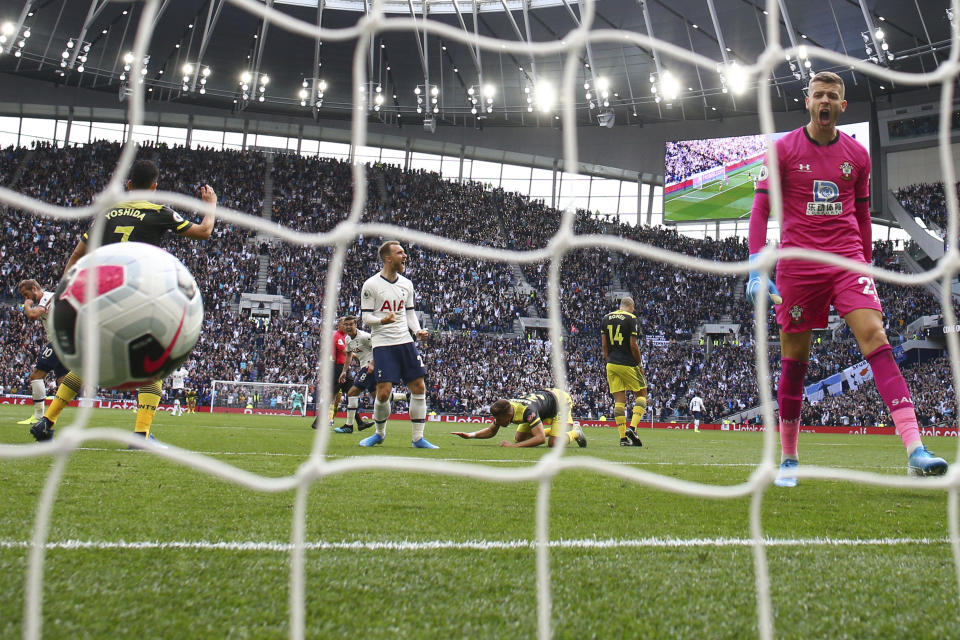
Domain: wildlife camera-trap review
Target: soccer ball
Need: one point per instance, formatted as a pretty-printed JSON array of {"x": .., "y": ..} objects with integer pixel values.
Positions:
[{"x": 148, "y": 313}]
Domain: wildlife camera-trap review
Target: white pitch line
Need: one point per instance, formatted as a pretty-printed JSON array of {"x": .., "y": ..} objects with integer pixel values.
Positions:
[
  {"x": 638, "y": 463},
  {"x": 474, "y": 545}
]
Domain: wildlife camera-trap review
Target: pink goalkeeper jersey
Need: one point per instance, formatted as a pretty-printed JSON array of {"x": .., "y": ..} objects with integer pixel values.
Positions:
[{"x": 823, "y": 188}]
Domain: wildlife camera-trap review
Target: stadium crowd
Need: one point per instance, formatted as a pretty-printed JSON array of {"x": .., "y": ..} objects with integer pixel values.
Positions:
[
  {"x": 315, "y": 194},
  {"x": 472, "y": 302},
  {"x": 685, "y": 158},
  {"x": 927, "y": 201},
  {"x": 930, "y": 385}
]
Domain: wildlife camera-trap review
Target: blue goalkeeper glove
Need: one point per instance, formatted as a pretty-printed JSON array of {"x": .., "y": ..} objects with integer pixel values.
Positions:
[{"x": 755, "y": 284}]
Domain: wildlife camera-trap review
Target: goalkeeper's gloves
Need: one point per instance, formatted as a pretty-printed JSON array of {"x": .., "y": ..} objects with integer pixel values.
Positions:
[{"x": 755, "y": 285}]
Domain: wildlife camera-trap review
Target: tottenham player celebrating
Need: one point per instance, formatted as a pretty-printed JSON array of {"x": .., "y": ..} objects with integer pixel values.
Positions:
[
  {"x": 179, "y": 379},
  {"x": 359, "y": 346},
  {"x": 825, "y": 177},
  {"x": 35, "y": 303},
  {"x": 388, "y": 307}
]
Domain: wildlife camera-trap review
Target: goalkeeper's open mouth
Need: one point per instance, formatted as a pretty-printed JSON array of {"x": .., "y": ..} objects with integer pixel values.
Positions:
[{"x": 824, "y": 117}]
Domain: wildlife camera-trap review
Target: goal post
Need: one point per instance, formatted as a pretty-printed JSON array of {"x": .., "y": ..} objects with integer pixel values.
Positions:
[
  {"x": 708, "y": 175},
  {"x": 275, "y": 397}
]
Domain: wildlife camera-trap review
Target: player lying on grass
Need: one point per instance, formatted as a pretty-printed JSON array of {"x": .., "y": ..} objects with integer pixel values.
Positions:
[{"x": 535, "y": 417}]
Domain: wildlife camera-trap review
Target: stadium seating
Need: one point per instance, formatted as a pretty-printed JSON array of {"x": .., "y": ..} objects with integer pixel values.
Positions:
[
  {"x": 927, "y": 202},
  {"x": 473, "y": 304}
]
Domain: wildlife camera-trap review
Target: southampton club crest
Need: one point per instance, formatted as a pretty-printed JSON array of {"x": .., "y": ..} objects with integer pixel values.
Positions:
[
  {"x": 796, "y": 312},
  {"x": 847, "y": 169}
]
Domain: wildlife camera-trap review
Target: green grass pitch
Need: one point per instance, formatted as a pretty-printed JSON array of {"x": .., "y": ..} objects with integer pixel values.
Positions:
[
  {"x": 710, "y": 203},
  {"x": 659, "y": 566}
]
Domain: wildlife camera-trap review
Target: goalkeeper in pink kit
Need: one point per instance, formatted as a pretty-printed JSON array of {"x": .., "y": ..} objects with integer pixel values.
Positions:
[{"x": 825, "y": 180}]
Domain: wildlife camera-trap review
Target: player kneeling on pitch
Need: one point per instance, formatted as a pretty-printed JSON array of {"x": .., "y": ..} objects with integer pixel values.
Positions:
[{"x": 535, "y": 417}]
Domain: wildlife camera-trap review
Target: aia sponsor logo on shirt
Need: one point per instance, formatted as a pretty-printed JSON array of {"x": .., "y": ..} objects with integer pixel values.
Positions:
[
  {"x": 392, "y": 305},
  {"x": 796, "y": 312},
  {"x": 847, "y": 169}
]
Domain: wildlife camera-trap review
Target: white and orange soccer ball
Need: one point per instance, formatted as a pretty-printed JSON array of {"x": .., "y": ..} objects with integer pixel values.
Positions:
[{"x": 147, "y": 308}]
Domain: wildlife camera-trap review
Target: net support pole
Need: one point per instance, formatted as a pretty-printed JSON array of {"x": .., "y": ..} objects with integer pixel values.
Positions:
[{"x": 544, "y": 596}]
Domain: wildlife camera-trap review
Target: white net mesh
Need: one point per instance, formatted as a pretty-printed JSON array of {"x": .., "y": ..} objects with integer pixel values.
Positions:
[{"x": 563, "y": 242}]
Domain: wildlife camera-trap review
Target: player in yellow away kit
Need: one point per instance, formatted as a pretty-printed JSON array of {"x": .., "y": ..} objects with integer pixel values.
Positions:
[
  {"x": 624, "y": 373},
  {"x": 131, "y": 222},
  {"x": 535, "y": 417}
]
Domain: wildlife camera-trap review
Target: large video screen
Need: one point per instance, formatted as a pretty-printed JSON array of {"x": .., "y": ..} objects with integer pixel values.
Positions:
[{"x": 712, "y": 179}]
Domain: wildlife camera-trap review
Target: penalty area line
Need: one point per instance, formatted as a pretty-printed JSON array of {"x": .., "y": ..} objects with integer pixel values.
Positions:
[
  {"x": 338, "y": 456},
  {"x": 468, "y": 545}
]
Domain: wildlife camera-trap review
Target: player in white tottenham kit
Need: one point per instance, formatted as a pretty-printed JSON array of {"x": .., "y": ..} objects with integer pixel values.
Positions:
[
  {"x": 389, "y": 309},
  {"x": 358, "y": 345},
  {"x": 178, "y": 381},
  {"x": 35, "y": 303},
  {"x": 697, "y": 408}
]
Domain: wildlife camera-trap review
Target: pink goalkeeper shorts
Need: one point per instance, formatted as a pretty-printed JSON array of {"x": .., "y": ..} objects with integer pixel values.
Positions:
[{"x": 807, "y": 297}]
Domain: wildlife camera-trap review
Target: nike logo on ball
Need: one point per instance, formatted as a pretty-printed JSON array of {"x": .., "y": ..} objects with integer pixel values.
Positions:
[{"x": 152, "y": 366}]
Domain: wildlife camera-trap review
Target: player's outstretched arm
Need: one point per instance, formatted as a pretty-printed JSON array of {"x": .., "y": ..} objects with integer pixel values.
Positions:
[
  {"x": 757, "y": 282},
  {"x": 482, "y": 434}
]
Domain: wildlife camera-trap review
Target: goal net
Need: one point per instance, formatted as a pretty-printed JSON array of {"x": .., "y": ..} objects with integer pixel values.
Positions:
[
  {"x": 267, "y": 398},
  {"x": 703, "y": 177},
  {"x": 568, "y": 48}
]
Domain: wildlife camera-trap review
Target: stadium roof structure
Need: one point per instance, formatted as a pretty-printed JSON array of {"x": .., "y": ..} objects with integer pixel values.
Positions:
[{"x": 84, "y": 44}]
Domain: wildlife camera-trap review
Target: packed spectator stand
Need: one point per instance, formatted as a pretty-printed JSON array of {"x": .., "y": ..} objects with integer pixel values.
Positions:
[
  {"x": 685, "y": 158},
  {"x": 926, "y": 201},
  {"x": 475, "y": 354}
]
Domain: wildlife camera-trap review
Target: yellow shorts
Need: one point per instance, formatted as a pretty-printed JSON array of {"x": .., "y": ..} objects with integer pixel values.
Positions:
[
  {"x": 620, "y": 377},
  {"x": 548, "y": 422}
]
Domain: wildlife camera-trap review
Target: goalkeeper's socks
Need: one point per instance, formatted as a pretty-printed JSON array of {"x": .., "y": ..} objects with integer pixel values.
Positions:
[
  {"x": 893, "y": 389},
  {"x": 66, "y": 392},
  {"x": 790, "y": 401}
]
